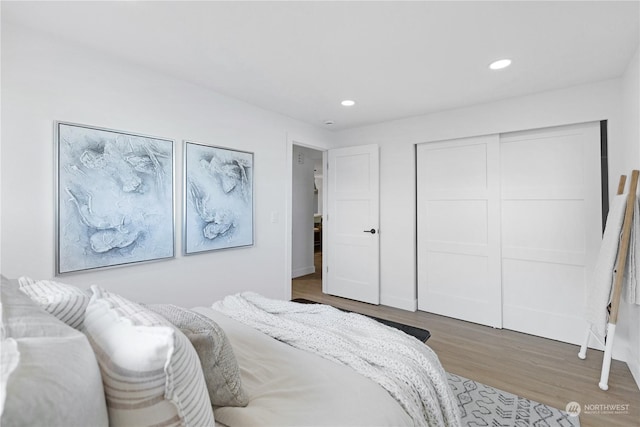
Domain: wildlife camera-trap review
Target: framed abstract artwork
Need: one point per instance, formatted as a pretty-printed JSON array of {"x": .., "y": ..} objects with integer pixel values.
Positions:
[
  {"x": 114, "y": 201},
  {"x": 218, "y": 198}
]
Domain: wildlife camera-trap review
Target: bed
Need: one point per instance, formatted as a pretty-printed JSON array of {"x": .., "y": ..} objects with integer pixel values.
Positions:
[{"x": 89, "y": 357}]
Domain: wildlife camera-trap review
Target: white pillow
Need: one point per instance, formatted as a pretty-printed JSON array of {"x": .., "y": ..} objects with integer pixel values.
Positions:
[
  {"x": 67, "y": 302},
  {"x": 150, "y": 371}
]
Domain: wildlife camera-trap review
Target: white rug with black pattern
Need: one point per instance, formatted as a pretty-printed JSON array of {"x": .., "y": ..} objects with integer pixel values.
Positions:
[{"x": 483, "y": 405}]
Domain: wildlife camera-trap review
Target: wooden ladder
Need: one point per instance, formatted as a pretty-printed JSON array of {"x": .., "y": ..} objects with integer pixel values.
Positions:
[{"x": 623, "y": 250}]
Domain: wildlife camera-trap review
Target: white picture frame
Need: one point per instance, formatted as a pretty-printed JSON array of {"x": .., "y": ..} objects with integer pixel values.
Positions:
[
  {"x": 218, "y": 211},
  {"x": 114, "y": 198}
]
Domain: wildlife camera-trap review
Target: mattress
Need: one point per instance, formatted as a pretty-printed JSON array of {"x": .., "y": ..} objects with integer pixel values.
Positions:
[{"x": 291, "y": 387}]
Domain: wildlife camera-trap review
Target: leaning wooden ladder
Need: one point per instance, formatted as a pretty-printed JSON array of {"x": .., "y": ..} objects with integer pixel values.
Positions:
[{"x": 623, "y": 250}]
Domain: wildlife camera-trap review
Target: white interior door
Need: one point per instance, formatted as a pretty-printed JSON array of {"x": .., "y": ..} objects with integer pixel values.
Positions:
[
  {"x": 351, "y": 239},
  {"x": 551, "y": 227},
  {"x": 459, "y": 229}
]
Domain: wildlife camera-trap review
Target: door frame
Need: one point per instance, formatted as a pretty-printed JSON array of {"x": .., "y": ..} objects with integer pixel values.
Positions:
[{"x": 292, "y": 140}]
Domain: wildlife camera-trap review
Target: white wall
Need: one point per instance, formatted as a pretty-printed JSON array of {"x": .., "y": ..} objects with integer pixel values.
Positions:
[
  {"x": 45, "y": 80},
  {"x": 629, "y": 320},
  {"x": 303, "y": 208}
]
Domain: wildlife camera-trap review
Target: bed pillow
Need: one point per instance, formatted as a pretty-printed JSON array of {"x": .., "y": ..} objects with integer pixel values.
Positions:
[
  {"x": 68, "y": 303},
  {"x": 23, "y": 317},
  {"x": 151, "y": 373},
  {"x": 55, "y": 383},
  {"x": 49, "y": 370},
  {"x": 219, "y": 364}
]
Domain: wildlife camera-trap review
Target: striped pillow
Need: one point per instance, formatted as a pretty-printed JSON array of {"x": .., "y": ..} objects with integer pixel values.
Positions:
[
  {"x": 151, "y": 373},
  {"x": 66, "y": 302}
]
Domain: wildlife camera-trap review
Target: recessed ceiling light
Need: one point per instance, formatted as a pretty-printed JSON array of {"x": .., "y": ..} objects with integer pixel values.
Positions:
[
  {"x": 500, "y": 64},
  {"x": 348, "y": 103}
]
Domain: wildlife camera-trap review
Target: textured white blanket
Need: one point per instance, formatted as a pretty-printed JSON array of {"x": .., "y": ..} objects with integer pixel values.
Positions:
[
  {"x": 408, "y": 369},
  {"x": 602, "y": 278}
]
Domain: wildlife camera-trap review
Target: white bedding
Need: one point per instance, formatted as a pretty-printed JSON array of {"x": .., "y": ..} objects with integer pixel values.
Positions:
[
  {"x": 284, "y": 391},
  {"x": 409, "y": 370}
]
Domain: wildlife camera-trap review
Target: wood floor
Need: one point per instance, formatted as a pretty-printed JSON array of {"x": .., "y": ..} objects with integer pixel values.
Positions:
[{"x": 543, "y": 370}]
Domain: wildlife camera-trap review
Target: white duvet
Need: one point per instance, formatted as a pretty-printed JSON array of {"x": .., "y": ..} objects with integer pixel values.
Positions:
[
  {"x": 291, "y": 387},
  {"x": 407, "y": 369}
]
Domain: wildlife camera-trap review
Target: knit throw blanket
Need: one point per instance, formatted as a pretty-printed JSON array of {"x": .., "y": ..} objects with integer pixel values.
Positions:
[
  {"x": 601, "y": 281},
  {"x": 407, "y": 368},
  {"x": 633, "y": 263}
]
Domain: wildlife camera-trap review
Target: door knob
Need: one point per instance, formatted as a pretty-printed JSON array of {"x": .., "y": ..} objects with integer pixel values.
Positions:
[{"x": 372, "y": 231}]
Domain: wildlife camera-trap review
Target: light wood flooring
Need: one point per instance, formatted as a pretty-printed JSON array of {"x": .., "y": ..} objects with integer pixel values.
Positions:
[{"x": 540, "y": 369}]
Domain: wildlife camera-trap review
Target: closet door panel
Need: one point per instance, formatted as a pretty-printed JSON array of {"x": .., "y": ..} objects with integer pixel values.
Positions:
[
  {"x": 462, "y": 222},
  {"x": 458, "y": 229},
  {"x": 543, "y": 299},
  {"x": 556, "y": 226},
  {"x": 454, "y": 167},
  {"x": 543, "y": 158},
  {"x": 550, "y": 204}
]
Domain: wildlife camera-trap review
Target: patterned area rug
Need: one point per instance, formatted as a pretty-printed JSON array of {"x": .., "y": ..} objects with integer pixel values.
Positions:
[{"x": 483, "y": 405}]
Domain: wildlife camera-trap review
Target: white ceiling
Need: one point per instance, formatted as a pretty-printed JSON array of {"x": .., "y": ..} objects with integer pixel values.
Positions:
[{"x": 396, "y": 59}]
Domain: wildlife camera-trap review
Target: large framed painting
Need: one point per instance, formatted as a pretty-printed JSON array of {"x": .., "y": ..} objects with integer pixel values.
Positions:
[
  {"x": 114, "y": 202},
  {"x": 218, "y": 198}
]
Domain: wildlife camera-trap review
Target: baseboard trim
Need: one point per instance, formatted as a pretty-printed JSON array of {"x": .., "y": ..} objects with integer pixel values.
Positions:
[
  {"x": 634, "y": 366},
  {"x": 302, "y": 271}
]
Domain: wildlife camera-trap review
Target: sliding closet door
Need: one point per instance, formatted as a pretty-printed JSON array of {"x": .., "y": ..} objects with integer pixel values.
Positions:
[
  {"x": 509, "y": 227},
  {"x": 459, "y": 229},
  {"x": 551, "y": 227}
]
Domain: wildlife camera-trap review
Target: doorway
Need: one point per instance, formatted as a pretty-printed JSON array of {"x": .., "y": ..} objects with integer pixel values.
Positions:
[{"x": 306, "y": 219}]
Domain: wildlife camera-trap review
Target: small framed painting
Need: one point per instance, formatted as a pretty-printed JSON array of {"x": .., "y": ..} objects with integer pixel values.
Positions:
[
  {"x": 218, "y": 198},
  {"x": 114, "y": 201}
]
